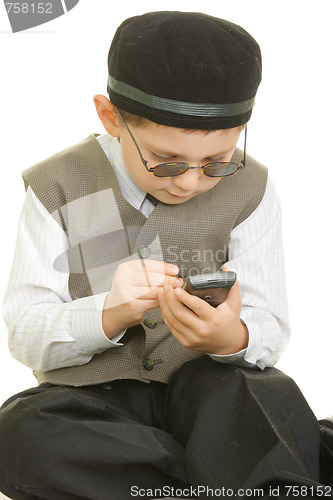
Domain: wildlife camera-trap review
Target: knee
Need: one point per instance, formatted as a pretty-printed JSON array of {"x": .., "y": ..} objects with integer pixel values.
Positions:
[
  {"x": 23, "y": 437},
  {"x": 199, "y": 388},
  {"x": 16, "y": 433}
]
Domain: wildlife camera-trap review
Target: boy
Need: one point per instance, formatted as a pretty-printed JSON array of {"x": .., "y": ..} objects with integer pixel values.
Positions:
[{"x": 144, "y": 389}]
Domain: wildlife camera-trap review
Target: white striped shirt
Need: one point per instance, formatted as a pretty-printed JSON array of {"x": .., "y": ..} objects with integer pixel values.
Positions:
[{"x": 47, "y": 330}]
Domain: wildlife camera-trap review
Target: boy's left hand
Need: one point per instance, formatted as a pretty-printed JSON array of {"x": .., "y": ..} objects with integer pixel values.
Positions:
[{"x": 199, "y": 326}]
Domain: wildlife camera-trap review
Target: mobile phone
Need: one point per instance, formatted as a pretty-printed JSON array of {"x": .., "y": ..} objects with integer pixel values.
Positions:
[{"x": 211, "y": 287}]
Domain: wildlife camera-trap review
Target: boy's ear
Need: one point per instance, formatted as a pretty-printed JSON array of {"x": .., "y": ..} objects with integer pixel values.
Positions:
[{"x": 107, "y": 114}]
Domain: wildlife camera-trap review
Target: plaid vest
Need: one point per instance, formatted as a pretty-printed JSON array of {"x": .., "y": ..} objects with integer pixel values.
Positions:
[{"x": 79, "y": 189}]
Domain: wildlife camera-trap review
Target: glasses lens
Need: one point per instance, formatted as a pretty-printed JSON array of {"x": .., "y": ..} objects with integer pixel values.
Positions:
[
  {"x": 170, "y": 169},
  {"x": 220, "y": 169}
]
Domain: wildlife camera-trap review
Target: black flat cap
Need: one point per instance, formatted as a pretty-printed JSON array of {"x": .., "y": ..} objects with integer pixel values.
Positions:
[{"x": 184, "y": 69}]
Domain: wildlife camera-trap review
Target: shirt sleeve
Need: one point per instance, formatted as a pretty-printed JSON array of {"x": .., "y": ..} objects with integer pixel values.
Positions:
[
  {"x": 256, "y": 255},
  {"x": 47, "y": 330}
]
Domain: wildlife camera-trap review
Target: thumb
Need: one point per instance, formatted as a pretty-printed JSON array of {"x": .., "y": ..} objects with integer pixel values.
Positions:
[{"x": 233, "y": 299}]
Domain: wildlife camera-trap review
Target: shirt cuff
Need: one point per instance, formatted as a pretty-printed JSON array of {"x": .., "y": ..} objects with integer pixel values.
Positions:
[
  {"x": 266, "y": 339},
  {"x": 87, "y": 324},
  {"x": 233, "y": 359},
  {"x": 238, "y": 358}
]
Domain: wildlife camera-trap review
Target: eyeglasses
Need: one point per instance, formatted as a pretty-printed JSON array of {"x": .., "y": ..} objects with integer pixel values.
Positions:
[{"x": 172, "y": 169}]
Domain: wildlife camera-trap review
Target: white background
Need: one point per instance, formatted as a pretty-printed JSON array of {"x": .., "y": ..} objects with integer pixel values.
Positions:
[{"x": 49, "y": 75}]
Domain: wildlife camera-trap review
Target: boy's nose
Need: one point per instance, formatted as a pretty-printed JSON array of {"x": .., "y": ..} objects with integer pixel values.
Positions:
[{"x": 189, "y": 181}]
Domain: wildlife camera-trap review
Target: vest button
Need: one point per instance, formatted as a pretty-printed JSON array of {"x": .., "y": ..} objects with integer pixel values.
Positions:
[
  {"x": 150, "y": 323},
  {"x": 143, "y": 252},
  {"x": 148, "y": 364}
]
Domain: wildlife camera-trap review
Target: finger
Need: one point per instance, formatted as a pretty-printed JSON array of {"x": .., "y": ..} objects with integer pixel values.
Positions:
[
  {"x": 149, "y": 304},
  {"x": 132, "y": 295},
  {"x": 145, "y": 293},
  {"x": 233, "y": 299},
  {"x": 176, "y": 313},
  {"x": 153, "y": 280},
  {"x": 157, "y": 266},
  {"x": 145, "y": 290},
  {"x": 174, "y": 325},
  {"x": 199, "y": 306},
  {"x": 146, "y": 305},
  {"x": 181, "y": 321}
]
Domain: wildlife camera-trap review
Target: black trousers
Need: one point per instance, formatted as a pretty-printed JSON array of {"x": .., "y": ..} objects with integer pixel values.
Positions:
[{"x": 215, "y": 430}]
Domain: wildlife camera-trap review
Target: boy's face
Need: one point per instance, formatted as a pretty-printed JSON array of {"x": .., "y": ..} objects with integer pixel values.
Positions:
[{"x": 160, "y": 144}]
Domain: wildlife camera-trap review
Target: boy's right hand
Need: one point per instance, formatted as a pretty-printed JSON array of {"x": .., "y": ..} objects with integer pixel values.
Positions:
[{"x": 134, "y": 291}]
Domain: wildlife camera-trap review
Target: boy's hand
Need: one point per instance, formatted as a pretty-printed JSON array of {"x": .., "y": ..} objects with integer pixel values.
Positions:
[
  {"x": 199, "y": 326},
  {"x": 134, "y": 291}
]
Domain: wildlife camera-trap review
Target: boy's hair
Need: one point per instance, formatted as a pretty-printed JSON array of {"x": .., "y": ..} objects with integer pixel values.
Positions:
[
  {"x": 131, "y": 119},
  {"x": 183, "y": 69}
]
